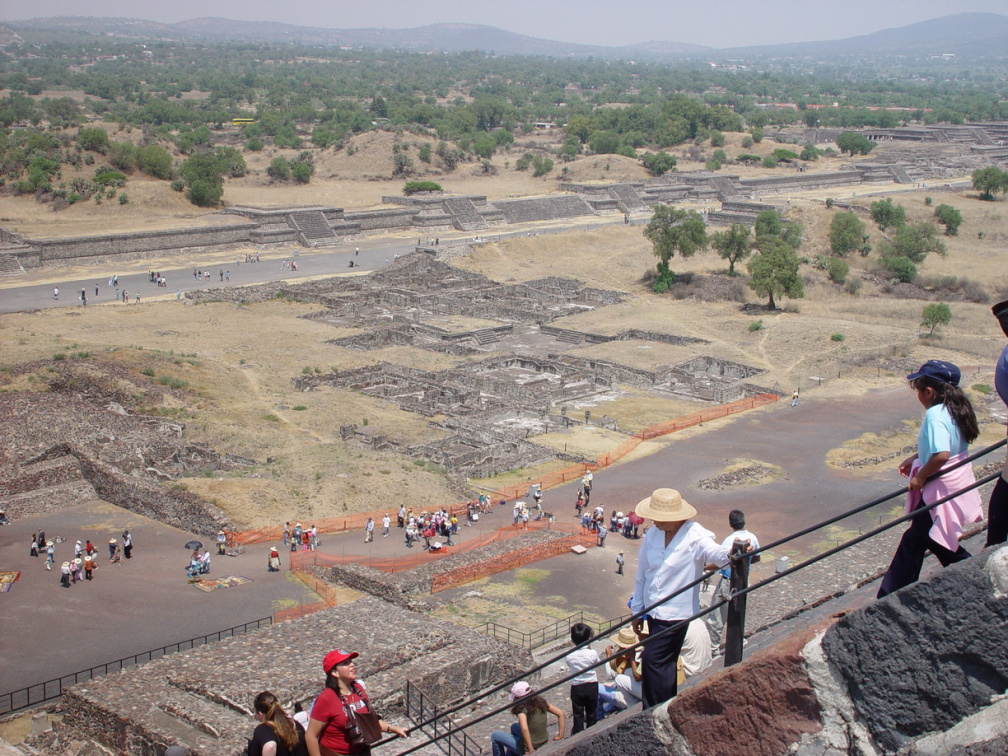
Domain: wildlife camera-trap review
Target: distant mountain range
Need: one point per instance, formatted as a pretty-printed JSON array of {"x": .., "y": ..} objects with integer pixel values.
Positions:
[{"x": 965, "y": 35}]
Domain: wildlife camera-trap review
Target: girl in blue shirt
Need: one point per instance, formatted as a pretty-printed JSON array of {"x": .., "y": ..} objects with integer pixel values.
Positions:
[{"x": 949, "y": 426}]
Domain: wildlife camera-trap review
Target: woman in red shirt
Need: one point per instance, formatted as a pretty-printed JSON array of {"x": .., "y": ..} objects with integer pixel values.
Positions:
[{"x": 327, "y": 733}]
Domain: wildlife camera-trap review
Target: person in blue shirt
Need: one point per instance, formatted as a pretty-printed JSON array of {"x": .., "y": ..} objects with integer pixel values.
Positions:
[
  {"x": 997, "y": 509},
  {"x": 949, "y": 426}
]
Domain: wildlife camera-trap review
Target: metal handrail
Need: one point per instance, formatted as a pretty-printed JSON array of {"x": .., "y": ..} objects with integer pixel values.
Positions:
[
  {"x": 717, "y": 605},
  {"x": 453, "y": 740},
  {"x": 49, "y": 692}
]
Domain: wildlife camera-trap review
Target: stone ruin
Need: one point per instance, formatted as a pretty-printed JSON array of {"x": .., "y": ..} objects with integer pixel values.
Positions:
[
  {"x": 905, "y": 155},
  {"x": 517, "y": 370},
  {"x": 202, "y": 699},
  {"x": 87, "y": 441}
]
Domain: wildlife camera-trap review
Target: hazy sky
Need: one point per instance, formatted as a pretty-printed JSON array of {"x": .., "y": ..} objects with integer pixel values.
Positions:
[{"x": 727, "y": 23}]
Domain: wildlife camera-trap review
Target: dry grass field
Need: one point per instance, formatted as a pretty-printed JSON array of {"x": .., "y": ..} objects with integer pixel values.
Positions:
[{"x": 238, "y": 361}]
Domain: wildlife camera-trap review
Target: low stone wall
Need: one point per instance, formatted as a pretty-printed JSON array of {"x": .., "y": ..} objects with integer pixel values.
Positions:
[
  {"x": 406, "y": 589},
  {"x": 62, "y": 250},
  {"x": 202, "y": 699},
  {"x": 381, "y": 220}
]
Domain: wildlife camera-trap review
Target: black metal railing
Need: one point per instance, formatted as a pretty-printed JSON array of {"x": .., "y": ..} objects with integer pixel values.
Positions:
[
  {"x": 552, "y": 632},
  {"x": 738, "y": 593},
  {"x": 53, "y": 689},
  {"x": 440, "y": 728}
]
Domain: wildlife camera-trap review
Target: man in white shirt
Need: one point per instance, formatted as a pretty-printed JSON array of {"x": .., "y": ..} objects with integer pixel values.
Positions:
[
  {"x": 716, "y": 619},
  {"x": 672, "y": 555}
]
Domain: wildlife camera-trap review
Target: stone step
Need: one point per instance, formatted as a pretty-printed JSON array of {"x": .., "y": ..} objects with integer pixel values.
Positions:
[
  {"x": 485, "y": 336},
  {"x": 570, "y": 337}
]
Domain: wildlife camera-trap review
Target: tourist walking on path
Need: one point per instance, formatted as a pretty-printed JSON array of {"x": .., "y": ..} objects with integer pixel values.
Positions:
[
  {"x": 127, "y": 544},
  {"x": 386, "y": 524},
  {"x": 369, "y": 531},
  {"x": 530, "y": 731},
  {"x": 277, "y": 734},
  {"x": 949, "y": 427},
  {"x": 716, "y": 620},
  {"x": 619, "y": 563},
  {"x": 673, "y": 554},
  {"x": 997, "y": 509},
  {"x": 34, "y": 546},
  {"x": 50, "y": 555},
  {"x": 794, "y": 398},
  {"x": 340, "y": 708}
]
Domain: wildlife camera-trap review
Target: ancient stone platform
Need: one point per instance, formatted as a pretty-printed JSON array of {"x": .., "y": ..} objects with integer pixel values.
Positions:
[{"x": 203, "y": 699}]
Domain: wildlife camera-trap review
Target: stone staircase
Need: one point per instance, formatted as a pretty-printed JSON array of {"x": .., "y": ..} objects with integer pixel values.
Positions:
[
  {"x": 10, "y": 265},
  {"x": 465, "y": 217},
  {"x": 627, "y": 199},
  {"x": 570, "y": 337},
  {"x": 485, "y": 336},
  {"x": 313, "y": 229},
  {"x": 726, "y": 188},
  {"x": 900, "y": 175}
]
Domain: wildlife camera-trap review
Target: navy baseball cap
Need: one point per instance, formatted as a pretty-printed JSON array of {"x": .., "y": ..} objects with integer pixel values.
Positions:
[
  {"x": 1000, "y": 311},
  {"x": 940, "y": 370}
]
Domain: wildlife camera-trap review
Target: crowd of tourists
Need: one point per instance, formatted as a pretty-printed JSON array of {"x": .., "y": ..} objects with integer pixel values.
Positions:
[{"x": 85, "y": 558}]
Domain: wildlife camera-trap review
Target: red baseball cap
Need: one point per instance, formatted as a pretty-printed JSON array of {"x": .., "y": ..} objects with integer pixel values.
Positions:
[{"x": 336, "y": 657}]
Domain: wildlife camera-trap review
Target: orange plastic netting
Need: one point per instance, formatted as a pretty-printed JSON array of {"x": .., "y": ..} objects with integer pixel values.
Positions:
[{"x": 550, "y": 480}]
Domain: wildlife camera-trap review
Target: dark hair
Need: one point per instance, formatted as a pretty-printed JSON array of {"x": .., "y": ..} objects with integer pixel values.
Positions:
[
  {"x": 736, "y": 519},
  {"x": 527, "y": 704},
  {"x": 276, "y": 719},
  {"x": 580, "y": 633},
  {"x": 955, "y": 401}
]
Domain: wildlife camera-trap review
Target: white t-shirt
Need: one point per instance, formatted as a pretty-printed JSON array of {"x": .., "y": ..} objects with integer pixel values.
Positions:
[
  {"x": 740, "y": 535},
  {"x": 581, "y": 660}
]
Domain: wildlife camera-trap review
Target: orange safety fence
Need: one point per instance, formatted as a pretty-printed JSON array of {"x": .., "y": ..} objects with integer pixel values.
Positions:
[
  {"x": 574, "y": 472},
  {"x": 357, "y": 521},
  {"x": 324, "y": 590},
  {"x": 419, "y": 556},
  {"x": 509, "y": 561}
]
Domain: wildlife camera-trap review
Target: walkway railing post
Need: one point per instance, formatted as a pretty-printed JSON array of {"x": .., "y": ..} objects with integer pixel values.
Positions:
[{"x": 735, "y": 629}]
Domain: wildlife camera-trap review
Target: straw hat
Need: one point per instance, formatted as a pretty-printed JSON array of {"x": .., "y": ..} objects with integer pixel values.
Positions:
[
  {"x": 112, "y": 540},
  {"x": 78, "y": 561},
  {"x": 665, "y": 505},
  {"x": 625, "y": 638}
]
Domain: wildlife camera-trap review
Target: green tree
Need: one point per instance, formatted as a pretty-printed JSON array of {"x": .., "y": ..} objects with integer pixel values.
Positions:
[
  {"x": 770, "y": 223},
  {"x": 93, "y": 140},
  {"x": 934, "y": 315},
  {"x": 988, "y": 181},
  {"x": 541, "y": 166},
  {"x": 155, "y": 161},
  {"x": 204, "y": 174},
  {"x": 604, "y": 142},
  {"x": 915, "y": 241},
  {"x": 659, "y": 163},
  {"x": 949, "y": 217},
  {"x": 846, "y": 233},
  {"x": 854, "y": 143},
  {"x": 773, "y": 271},
  {"x": 484, "y": 146},
  {"x": 809, "y": 152},
  {"x": 279, "y": 169},
  {"x": 402, "y": 164},
  {"x": 123, "y": 156},
  {"x": 887, "y": 214},
  {"x": 902, "y": 268},
  {"x": 674, "y": 230},
  {"x": 732, "y": 245}
]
